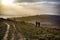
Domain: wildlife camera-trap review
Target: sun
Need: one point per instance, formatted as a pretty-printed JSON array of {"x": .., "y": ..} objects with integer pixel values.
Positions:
[{"x": 7, "y": 2}]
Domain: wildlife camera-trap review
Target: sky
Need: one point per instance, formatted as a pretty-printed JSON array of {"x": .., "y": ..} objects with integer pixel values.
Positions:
[
  {"x": 34, "y": 0},
  {"x": 31, "y": 7}
]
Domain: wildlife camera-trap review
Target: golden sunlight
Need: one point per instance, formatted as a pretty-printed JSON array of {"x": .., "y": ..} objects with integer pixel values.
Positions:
[{"x": 7, "y": 2}]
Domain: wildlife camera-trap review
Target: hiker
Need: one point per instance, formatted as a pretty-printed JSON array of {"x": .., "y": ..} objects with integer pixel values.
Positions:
[{"x": 37, "y": 24}]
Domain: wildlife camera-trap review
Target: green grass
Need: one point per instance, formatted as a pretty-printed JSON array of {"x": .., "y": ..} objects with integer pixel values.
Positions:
[
  {"x": 38, "y": 33},
  {"x": 2, "y": 30},
  {"x": 31, "y": 32}
]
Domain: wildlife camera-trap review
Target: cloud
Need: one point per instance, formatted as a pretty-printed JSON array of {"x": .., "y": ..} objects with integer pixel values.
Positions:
[
  {"x": 37, "y": 7},
  {"x": 28, "y": 9},
  {"x": 27, "y": 0},
  {"x": 35, "y": 0}
]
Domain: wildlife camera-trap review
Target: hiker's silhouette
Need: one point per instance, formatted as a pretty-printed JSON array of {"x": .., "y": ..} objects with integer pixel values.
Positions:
[{"x": 37, "y": 24}]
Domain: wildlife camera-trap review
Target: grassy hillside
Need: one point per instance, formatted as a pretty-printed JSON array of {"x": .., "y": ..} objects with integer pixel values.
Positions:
[
  {"x": 29, "y": 30},
  {"x": 38, "y": 33},
  {"x": 2, "y": 30}
]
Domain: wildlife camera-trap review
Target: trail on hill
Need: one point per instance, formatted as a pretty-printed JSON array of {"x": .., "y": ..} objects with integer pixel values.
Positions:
[
  {"x": 21, "y": 37},
  {"x": 15, "y": 34},
  {"x": 6, "y": 34},
  {"x": 12, "y": 37}
]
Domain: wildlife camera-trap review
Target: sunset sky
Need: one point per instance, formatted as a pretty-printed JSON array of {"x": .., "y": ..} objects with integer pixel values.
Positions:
[{"x": 19, "y": 8}]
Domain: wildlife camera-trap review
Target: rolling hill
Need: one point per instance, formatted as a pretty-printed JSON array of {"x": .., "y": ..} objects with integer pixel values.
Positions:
[
  {"x": 22, "y": 28},
  {"x": 44, "y": 19}
]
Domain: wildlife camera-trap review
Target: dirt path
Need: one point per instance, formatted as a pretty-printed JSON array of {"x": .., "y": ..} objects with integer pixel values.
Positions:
[
  {"x": 12, "y": 36},
  {"x": 21, "y": 37},
  {"x": 6, "y": 34}
]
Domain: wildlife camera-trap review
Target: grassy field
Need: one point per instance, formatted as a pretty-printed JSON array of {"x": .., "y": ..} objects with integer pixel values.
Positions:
[
  {"x": 29, "y": 30},
  {"x": 2, "y": 30},
  {"x": 38, "y": 33}
]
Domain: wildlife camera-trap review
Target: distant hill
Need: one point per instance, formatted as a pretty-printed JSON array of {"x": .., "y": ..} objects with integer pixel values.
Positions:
[
  {"x": 44, "y": 19},
  {"x": 47, "y": 19},
  {"x": 38, "y": 17}
]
